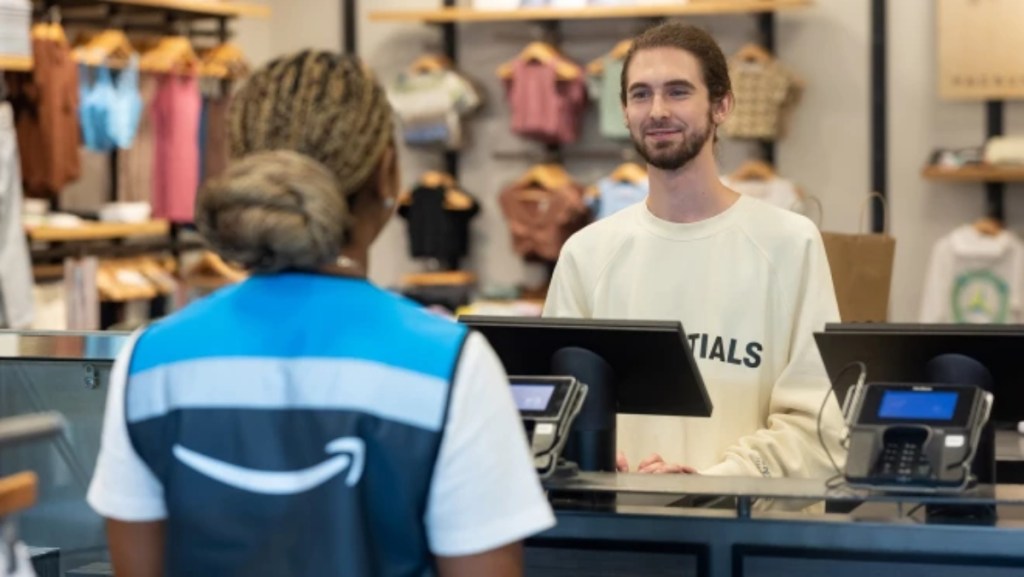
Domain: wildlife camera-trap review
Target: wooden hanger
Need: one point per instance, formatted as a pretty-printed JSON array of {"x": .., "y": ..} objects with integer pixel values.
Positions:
[
  {"x": 548, "y": 176},
  {"x": 753, "y": 170},
  {"x": 439, "y": 278},
  {"x": 121, "y": 280},
  {"x": 754, "y": 53},
  {"x": 436, "y": 178},
  {"x": 618, "y": 52},
  {"x": 544, "y": 53},
  {"x": 225, "y": 61},
  {"x": 108, "y": 47},
  {"x": 988, "y": 226},
  {"x": 621, "y": 49},
  {"x": 211, "y": 272},
  {"x": 17, "y": 492},
  {"x": 454, "y": 198},
  {"x": 630, "y": 172},
  {"x": 428, "y": 63},
  {"x": 430, "y": 179},
  {"x": 52, "y": 31},
  {"x": 171, "y": 54},
  {"x": 155, "y": 272}
]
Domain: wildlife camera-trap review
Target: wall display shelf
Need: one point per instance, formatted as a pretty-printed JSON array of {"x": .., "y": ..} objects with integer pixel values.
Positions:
[
  {"x": 97, "y": 231},
  {"x": 693, "y": 8},
  {"x": 974, "y": 173},
  {"x": 199, "y": 7},
  {"x": 15, "y": 63}
]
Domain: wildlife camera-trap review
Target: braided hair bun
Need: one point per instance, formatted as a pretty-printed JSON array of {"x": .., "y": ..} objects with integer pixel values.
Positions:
[{"x": 306, "y": 134}]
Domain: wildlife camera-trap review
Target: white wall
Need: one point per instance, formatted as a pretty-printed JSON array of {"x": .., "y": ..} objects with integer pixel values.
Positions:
[
  {"x": 825, "y": 151},
  {"x": 292, "y": 26}
]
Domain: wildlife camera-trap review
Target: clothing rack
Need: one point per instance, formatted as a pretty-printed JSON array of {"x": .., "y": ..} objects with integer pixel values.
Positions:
[
  {"x": 168, "y": 17},
  {"x": 766, "y": 25}
]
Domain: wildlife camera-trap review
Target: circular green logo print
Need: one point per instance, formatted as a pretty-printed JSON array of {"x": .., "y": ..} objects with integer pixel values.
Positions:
[{"x": 980, "y": 297}]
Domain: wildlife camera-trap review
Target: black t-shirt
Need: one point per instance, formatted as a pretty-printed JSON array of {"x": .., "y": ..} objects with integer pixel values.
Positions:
[{"x": 436, "y": 231}]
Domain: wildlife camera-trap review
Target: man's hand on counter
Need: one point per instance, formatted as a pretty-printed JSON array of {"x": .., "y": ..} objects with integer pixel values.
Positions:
[{"x": 653, "y": 464}]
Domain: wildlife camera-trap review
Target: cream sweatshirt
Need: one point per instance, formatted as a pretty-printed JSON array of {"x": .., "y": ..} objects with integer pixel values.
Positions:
[{"x": 751, "y": 285}]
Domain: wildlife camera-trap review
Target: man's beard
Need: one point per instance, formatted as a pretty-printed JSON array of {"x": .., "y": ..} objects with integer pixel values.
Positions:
[{"x": 674, "y": 156}]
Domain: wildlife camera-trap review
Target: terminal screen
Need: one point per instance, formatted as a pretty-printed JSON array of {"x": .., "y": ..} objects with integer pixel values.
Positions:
[
  {"x": 532, "y": 397},
  {"x": 923, "y": 405}
]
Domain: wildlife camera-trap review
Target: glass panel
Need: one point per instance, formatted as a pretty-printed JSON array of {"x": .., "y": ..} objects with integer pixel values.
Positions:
[{"x": 67, "y": 373}]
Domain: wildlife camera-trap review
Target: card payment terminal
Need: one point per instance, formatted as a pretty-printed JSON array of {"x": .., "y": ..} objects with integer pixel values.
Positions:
[
  {"x": 915, "y": 437},
  {"x": 548, "y": 406}
]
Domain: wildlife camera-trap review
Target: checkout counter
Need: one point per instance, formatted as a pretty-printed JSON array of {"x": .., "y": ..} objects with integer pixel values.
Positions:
[
  {"x": 609, "y": 524},
  {"x": 917, "y": 497}
]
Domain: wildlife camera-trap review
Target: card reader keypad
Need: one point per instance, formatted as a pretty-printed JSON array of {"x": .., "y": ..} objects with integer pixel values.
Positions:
[{"x": 904, "y": 460}]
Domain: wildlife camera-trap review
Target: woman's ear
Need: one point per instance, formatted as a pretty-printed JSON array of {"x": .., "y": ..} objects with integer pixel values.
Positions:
[{"x": 388, "y": 181}]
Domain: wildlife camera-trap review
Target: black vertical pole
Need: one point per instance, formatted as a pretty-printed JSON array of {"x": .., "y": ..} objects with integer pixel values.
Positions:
[
  {"x": 450, "y": 44},
  {"x": 766, "y": 28},
  {"x": 349, "y": 14},
  {"x": 879, "y": 121},
  {"x": 994, "y": 190}
]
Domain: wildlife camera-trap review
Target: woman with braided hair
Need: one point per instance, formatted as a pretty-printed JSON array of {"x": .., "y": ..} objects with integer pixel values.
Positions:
[{"x": 305, "y": 422}]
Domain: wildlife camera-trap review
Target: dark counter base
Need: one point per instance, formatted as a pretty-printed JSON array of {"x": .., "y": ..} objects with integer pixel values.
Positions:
[{"x": 717, "y": 544}]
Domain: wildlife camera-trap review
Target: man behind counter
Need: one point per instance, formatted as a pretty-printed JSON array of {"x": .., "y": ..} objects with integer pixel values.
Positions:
[{"x": 750, "y": 282}]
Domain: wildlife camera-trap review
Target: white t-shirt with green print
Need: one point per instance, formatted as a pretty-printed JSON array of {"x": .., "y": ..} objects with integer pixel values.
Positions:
[{"x": 974, "y": 278}]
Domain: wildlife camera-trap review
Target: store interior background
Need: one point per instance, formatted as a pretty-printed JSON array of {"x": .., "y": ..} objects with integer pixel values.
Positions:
[{"x": 825, "y": 151}]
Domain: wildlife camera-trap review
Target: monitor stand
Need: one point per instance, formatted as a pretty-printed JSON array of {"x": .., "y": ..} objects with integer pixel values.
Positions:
[
  {"x": 960, "y": 369},
  {"x": 591, "y": 443}
]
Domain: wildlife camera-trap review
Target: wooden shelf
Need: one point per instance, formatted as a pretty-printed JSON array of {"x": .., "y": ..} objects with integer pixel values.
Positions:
[
  {"x": 974, "y": 173},
  {"x": 206, "y": 8},
  {"x": 98, "y": 231},
  {"x": 15, "y": 63},
  {"x": 693, "y": 7}
]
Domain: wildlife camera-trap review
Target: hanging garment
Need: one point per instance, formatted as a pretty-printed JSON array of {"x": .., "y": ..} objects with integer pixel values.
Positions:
[
  {"x": 541, "y": 220},
  {"x": 125, "y": 106},
  {"x": 545, "y": 107},
  {"x": 605, "y": 89},
  {"x": 135, "y": 165},
  {"x": 763, "y": 94},
  {"x": 176, "y": 110},
  {"x": 97, "y": 98},
  {"x": 82, "y": 293},
  {"x": 974, "y": 278},
  {"x": 87, "y": 195},
  {"x": 46, "y": 116},
  {"x": 613, "y": 196},
  {"x": 436, "y": 231},
  {"x": 16, "y": 309},
  {"x": 15, "y": 27},
  {"x": 778, "y": 191},
  {"x": 430, "y": 106}
]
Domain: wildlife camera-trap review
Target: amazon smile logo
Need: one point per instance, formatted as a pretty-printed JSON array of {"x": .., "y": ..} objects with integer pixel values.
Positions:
[{"x": 351, "y": 455}]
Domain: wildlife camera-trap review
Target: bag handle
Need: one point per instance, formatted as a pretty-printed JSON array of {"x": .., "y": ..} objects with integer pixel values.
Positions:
[
  {"x": 864, "y": 210},
  {"x": 800, "y": 205}
]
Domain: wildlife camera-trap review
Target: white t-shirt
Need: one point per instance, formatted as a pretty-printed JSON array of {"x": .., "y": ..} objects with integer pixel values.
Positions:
[
  {"x": 750, "y": 285},
  {"x": 485, "y": 492},
  {"x": 778, "y": 191}
]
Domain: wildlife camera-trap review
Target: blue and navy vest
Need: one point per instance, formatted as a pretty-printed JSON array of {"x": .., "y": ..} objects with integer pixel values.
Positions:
[{"x": 294, "y": 421}]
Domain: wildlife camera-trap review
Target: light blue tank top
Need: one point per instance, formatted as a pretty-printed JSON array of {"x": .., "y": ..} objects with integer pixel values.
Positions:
[
  {"x": 125, "y": 106},
  {"x": 94, "y": 107}
]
